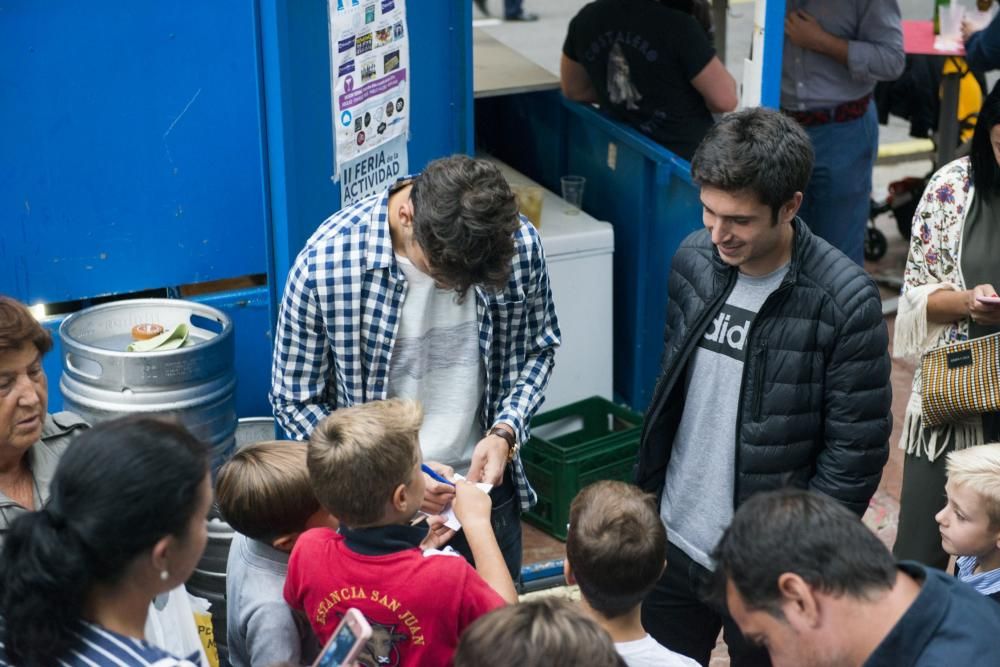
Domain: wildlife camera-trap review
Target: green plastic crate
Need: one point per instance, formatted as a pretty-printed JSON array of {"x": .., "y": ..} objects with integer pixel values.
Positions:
[{"x": 590, "y": 440}]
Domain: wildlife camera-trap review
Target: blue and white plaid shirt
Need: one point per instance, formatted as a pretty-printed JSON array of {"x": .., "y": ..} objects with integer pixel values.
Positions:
[{"x": 340, "y": 315}]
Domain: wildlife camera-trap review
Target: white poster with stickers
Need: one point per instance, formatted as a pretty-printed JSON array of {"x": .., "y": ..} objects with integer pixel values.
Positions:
[{"x": 370, "y": 91}]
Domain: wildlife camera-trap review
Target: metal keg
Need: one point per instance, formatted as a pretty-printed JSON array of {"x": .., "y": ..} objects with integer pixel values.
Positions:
[{"x": 195, "y": 382}]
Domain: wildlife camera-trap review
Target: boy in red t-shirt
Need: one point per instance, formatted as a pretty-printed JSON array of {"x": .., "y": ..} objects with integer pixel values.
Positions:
[{"x": 364, "y": 463}]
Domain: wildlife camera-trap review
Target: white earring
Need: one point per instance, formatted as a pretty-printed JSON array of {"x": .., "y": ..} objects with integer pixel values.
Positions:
[{"x": 164, "y": 575}]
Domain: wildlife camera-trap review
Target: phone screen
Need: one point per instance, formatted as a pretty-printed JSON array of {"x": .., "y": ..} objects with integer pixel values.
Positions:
[{"x": 339, "y": 648}]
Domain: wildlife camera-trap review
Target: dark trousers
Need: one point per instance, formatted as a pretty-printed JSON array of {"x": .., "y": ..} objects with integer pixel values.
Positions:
[
  {"x": 922, "y": 496},
  {"x": 506, "y": 520},
  {"x": 678, "y": 615},
  {"x": 512, "y": 8}
]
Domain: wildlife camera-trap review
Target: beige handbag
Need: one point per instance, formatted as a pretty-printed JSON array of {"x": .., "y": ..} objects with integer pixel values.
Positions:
[{"x": 960, "y": 380}]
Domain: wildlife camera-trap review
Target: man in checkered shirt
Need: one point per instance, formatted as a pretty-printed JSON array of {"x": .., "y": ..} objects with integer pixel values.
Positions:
[{"x": 435, "y": 290}]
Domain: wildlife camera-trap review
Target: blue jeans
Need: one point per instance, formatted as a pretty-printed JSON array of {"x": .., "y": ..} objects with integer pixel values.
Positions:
[
  {"x": 837, "y": 199},
  {"x": 506, "y": 520}
]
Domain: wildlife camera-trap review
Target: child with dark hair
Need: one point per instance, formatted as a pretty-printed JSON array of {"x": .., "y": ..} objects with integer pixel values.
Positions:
[
  {"x": 616, "y": 551},
  {"x": 264, "y": 493},
  {"x": 125, "y": 522}
]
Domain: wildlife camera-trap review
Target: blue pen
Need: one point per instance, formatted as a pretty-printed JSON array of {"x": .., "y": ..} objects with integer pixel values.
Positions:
[{"x": 433, "y": 475}]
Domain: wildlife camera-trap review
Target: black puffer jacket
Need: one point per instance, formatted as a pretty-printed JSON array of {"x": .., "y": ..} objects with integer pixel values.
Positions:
[{"x": 815, "y": 406}]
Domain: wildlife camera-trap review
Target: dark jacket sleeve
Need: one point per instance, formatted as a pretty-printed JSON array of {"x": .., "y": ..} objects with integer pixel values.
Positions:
[
  {"x": 982, "y": 51},
  {"x": 858, "y": 404}
]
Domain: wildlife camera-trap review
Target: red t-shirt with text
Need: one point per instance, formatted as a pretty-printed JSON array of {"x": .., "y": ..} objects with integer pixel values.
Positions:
[{"x": 418, "y": 603}]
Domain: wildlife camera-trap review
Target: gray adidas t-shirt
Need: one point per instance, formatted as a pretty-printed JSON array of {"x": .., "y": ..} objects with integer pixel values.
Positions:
[{"x": 697, "y": 504}]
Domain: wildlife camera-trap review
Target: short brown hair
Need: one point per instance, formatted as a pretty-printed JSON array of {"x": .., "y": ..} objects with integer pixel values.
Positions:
[
  {"x": 263, "y": 491},
  {"x": 547, "y": 632},
  {"x": 18, "y": 326},
  {"x": 616, "y": 546},
  {"x": 359, "y": 455}
]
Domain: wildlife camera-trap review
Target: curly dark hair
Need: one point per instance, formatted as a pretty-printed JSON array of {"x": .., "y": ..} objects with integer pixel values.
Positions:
[{"x": 464, "y": 219}]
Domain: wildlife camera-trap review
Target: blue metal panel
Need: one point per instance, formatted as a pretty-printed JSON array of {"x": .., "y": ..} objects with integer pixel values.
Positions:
[
  {"x": 526, "y": 131},
  {"x": 639, "y": 186},
  {"x": 249, "y": 310},
  {"x": 296, "y": 61},
  {"x": 645, "y": 191},
  {"x": 131, "y": 146},
  {"x": 774, "y": 42}
]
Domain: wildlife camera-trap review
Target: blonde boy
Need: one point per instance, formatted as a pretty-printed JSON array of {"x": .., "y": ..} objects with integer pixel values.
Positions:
[
  {"x": 970, "y": 521},
  {"x": 264, "y": 493},
  {"x": 364, "y": 462}
]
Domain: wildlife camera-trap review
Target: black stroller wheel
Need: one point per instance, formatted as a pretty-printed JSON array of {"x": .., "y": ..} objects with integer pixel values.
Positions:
[{"x": 875, "y": 244}]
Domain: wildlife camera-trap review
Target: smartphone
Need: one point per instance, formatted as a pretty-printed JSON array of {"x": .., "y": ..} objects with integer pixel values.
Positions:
[
  {"x": 346, "y": 642},
  {"x": 991, "y": 300}
]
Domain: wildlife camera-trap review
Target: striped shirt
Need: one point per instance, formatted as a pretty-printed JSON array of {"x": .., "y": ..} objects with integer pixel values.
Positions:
[
  {"x": 339, "y": 319},
  {"x": 985, "y": 583},
  {"x": 97, "y": 647}
]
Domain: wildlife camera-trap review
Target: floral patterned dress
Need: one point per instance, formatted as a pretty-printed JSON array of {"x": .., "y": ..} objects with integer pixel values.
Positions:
[{"x": 934, "y": 263}]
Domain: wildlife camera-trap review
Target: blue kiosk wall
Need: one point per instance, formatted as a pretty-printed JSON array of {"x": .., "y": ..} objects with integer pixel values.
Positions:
[{"x": 151, "y": 145}]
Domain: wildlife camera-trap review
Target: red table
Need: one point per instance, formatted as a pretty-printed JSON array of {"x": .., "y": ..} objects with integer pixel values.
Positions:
[{"x": 918, "y": 39}]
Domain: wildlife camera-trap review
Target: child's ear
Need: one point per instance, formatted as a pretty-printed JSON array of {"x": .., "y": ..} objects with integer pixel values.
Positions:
[
  {"x": 285, "y": 542},
  {"x": 399, "y": 499},
  {"x": 568, "y": 572}
]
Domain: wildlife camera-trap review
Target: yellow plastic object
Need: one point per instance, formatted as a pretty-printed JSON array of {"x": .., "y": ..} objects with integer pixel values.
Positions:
[
  {"x": 970, "y": 96},
  {"x": 206, "y": 633}
]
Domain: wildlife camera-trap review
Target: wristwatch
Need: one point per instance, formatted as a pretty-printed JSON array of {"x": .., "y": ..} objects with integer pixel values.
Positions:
[{"x": 509, "y": 438}]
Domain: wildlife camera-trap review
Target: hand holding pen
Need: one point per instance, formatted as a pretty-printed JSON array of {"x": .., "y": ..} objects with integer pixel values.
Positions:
[{"x": 439, "y": 490}]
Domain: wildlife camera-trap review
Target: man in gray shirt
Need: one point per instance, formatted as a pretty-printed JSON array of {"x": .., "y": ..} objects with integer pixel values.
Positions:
[
  {"x": 775, "y": 370},
  {"x": 834, "y": 53}
]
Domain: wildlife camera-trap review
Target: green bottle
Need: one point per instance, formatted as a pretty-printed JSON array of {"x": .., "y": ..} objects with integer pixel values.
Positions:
[{"x": 938, "y": 4}]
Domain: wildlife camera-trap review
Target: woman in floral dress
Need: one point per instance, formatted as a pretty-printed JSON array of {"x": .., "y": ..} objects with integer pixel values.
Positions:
[{"x": 954, "y": 258}]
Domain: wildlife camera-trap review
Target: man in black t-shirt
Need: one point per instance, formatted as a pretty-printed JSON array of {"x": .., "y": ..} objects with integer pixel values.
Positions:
[{"x": 650, "y": 66}]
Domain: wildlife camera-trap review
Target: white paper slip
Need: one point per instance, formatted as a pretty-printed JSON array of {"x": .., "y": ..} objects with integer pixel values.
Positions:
[{"x": 451, "y": 520}]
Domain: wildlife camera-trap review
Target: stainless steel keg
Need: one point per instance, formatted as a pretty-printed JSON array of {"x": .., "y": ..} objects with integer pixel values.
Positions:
[{"x": 196, "y": 382}]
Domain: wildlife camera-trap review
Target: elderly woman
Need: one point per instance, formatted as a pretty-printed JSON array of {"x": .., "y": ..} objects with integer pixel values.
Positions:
[
  {"x": 31, "y": 440},
  {"x": 954, "y": 260}
]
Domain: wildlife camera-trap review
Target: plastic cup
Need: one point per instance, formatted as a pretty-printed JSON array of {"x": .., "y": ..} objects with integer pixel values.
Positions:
[
  {"x": 529, "y": 200},
  {"x": 572, "y": 192},
  {"x": 950, "y": 17}
]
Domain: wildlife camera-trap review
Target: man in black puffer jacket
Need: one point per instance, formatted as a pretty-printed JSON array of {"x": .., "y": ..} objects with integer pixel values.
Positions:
[{"x": 775, "y": 370}]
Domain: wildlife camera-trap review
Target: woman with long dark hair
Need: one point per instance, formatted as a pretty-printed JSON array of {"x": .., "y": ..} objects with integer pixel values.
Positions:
[
  {"x": 125, "y": 521},
  {"x": 954, "y": 261}
]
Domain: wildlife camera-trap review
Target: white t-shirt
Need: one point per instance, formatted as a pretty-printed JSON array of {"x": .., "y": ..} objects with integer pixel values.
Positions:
[
  {"x": 646, "y": 652},
  {"x": 436, "y": 360}
]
